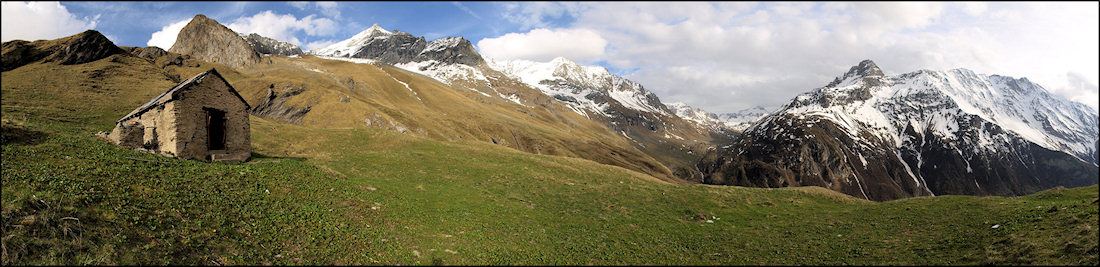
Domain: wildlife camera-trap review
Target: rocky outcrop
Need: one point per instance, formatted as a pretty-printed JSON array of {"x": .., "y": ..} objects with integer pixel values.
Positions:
[
  {"x": 206, "y": 39},
  {"x": 264, "y": 45},
  {"x": 81, "y": 48},
  {"x": 18, "y": 53},
  {"x": 400, "y": 47},
  {"x": 272, "y": 104},
  {"x": 149, "y": 53},
  {"x": 451, "y": 50}
]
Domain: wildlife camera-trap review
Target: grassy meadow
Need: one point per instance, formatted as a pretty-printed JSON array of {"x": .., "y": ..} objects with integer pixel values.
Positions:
[{"x": 332, "y": 195}]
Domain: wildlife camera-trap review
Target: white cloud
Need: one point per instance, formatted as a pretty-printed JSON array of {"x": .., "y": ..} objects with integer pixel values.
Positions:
[
  {"x": 545, "y": 44},
  {"x": 767, "y": 53},
  {"x": 1079, "y": 88},
  {"x": 166, "y": 36},
  {"x": 536, "y": 14},
  {"x": 317, "y": 44},
  {"x": 975, "y": 8},
  {"x": 283, "y": 27},
  {"x": 40, "y": 20},
  {"x": 329, "y": 8}
]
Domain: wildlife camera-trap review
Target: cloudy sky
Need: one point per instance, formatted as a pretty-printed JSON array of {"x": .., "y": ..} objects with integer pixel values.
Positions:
[{"x": 722, "y": 57}]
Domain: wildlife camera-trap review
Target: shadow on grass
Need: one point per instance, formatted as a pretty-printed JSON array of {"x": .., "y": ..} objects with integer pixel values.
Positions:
[
  {"x": 259, "y": 158},
  {"x": 13, "y": 134}
]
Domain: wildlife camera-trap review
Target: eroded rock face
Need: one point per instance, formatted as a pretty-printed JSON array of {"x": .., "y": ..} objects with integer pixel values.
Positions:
[
  {"x": 206, "y": 39},
  {"x": 150, "y": 53},
  {"x": 271, "y": 104},
  {"x": 81, "y": 48},
  {"x": 401, "y": 47},
  {"x": 18, "y": 53},
  {"x": 264, "y": 45},
  {"x": 451, "y": 50}
]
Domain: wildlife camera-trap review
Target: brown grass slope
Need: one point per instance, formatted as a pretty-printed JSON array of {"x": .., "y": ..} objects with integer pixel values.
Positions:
[
  {"x": 342, "y": 94},
  {"x": 336, "y": 94}
]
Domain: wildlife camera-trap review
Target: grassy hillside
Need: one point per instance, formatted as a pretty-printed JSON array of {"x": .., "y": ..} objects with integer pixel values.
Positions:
[
  {"x": 362, "y": 195},
  {"x": 353, "y": 95}
]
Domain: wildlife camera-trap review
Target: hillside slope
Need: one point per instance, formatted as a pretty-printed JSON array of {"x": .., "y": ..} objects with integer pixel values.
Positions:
[
  {"x": 365, "y": 195},
  {"x": 623, "y": 106},
  {"x": 325, "y": 93}
]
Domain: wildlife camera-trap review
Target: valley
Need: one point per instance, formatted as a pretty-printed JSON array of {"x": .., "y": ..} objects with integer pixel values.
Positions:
[{"x": 390, "y": 149}]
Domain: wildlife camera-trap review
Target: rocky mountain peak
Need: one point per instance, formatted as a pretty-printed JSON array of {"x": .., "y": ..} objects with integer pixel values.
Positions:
[
  {"x": 206, "y": 39},
  {"x": 452, "y": 50},
  {"x": 559, "y": 61},
  {"x": 865, "y": 68},
  {"x": 264, "y": 45},
  {"x": 377, "y": 43},
  {"x": 370, "y": 33},
  {"x": 377, "y": 29}
]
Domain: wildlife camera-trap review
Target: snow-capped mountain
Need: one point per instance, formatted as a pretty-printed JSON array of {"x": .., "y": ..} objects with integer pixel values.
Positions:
[
  {"x": 587, "y": 89},
  {"x": 914, "y": 134},
  {"x": 351, "y": 46},
  {"x": 690, "y": 113},
  {"x": 742, "y": 119},
  {"x": 398, "y": 47},
  {"x": 624, "y": 106},
  {"x": 737, "y": 121}
]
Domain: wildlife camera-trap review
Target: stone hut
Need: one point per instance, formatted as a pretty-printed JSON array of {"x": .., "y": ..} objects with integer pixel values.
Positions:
[{"x": 202, "y": 118}]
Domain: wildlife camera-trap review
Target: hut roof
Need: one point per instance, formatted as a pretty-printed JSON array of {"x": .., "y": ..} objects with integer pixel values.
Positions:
[{"x": 173, "y": 94}]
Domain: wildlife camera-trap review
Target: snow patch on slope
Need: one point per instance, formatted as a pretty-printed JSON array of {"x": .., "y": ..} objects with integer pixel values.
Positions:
[
  {"x": 352, "y": 60},
  {"x": 445, "y": 73}
]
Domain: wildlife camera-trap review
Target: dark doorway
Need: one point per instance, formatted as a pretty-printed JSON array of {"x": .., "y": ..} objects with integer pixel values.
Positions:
[{"x": 215, "y": 129}]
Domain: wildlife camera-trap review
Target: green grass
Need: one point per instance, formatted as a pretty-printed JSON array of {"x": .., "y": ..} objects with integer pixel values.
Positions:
[
  {"x": 380, "y": 197},
  {"x": 71, "y": 198},
  {"x": 370, "y": 196}
]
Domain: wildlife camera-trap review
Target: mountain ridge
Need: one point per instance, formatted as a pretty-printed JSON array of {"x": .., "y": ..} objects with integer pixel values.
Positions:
[{"x": 929, "y": 128}]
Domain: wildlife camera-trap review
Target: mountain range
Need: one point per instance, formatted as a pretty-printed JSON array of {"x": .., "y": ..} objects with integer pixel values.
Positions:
[
  {"x": 438, "y": 155},
  {"x": 623, "y": 106},
  {"x": 864, "y": 134}
]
